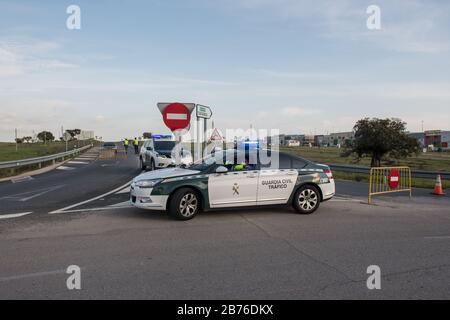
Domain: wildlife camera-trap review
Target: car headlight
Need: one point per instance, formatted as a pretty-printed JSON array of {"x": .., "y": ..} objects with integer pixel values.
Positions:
[{"x": 147, "y": 183}]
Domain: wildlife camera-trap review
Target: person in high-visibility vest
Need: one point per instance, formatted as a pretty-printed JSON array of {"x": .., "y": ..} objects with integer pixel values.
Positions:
[
  {"x": 125, "y": 145},
  {"x": 136, "y": 145}
]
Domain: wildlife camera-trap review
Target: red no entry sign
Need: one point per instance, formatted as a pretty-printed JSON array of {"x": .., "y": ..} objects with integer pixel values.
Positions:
[
  {"x": 394, "y": 179},
  {"x": 176, "y": 116}
]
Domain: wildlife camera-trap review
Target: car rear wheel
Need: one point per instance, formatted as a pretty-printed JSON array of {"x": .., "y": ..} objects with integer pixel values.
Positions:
[
  {"x": 184, "y": 204},
  {"x": 307, "y": 199}
]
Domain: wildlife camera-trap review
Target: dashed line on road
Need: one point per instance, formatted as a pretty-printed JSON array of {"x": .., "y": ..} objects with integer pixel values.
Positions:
[
  {"x": 22, "y": 179},
  {"x": 65, "y": 168},
  {"x": 77, "y": 162},
  {"x": 14, "y": 215}
]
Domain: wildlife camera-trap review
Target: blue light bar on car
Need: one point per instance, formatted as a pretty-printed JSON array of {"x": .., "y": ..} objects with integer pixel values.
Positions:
[
  {"x": 251, "y": 142},
  {"x": 161, "y": 136}
]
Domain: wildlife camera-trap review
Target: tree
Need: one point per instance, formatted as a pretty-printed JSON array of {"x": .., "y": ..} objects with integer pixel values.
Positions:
[
  {"x": 45, "y": 136},
  {"x": 27, "y": 139},
  {"x": 19, "y": 140},
  {"x": 381, "y": 138},
  {"x": 147, "y": 135},
  {"x": 73, "y": 133}
]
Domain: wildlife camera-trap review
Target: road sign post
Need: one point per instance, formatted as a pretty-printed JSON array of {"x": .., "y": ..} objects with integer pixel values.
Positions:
[{"x": 205, "y": 113}]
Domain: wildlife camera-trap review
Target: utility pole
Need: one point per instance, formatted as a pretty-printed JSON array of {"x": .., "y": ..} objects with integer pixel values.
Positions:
[
  {"x": 15, "y": 134},
  {"x": 64, "y": 137}
]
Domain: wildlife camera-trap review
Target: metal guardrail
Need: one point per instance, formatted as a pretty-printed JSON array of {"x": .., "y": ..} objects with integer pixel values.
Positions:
[
  {"x": 39, "y": 160},
  {"x": 366, "y": 170}
]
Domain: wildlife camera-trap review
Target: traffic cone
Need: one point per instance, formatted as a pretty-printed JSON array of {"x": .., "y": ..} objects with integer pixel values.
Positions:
[{"x": 438, "y": 187}]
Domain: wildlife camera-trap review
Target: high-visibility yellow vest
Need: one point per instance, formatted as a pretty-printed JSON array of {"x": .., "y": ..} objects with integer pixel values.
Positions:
[
  {"x": 125, "y": 142},
  {"x": 136, "y": 142}
]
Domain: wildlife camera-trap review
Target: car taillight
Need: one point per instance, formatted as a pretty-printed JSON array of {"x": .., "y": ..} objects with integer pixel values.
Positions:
[{"x": 328, "y": 173}]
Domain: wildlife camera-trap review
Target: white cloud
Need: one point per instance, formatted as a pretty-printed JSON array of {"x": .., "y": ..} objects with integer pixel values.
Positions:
[
  {"x": 418, "y": 26},
  {"x": 297, "y": 111},
  {"x": 18, "y": 58}
]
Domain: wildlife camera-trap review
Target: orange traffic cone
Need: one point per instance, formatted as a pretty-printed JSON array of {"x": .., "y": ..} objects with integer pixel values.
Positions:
[{"x": 438, "y": 187}]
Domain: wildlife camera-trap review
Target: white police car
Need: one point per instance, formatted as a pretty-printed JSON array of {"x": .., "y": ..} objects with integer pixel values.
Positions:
[
  {"x": 223, "y": 180},
  {"x": 158, "y": 152}
]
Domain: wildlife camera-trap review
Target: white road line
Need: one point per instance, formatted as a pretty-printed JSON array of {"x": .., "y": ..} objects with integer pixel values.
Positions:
[
  {"x": 90, "y": 200},
  {"x": 95, "y": 209},
  {"x": 21, "y": 179},
  {"x": 31, "y": 194},
  {"x": 33, "y": 275},
  {"x": 437, "y": 237},
  {"x": 126, "y": 190},
  {"x": 43, "y": 192},
  {"x": 77, "y": 162},
  {"x": 14, "y": 215},
  {"x": 65, "y": 168},
  {"x": 125, "y": 204}
]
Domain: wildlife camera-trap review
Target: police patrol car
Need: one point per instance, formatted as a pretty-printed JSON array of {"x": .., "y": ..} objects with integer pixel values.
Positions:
[
  {"x": 216, "y": 182},
  {"x": 157, "y": 152}
]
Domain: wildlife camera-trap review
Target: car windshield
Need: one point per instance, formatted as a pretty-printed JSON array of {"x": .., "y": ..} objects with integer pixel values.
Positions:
[
  {"x": 164, "y": 145},
  {"x": 219, "y": 158}
]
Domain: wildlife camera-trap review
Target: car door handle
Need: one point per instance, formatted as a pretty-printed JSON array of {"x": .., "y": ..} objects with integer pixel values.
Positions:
[
  {"x": 291, "y": 173},
  {"x": 251, "y": 176}
]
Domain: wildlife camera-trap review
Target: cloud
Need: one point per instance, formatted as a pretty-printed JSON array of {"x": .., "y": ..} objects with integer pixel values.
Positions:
[
  {"x": 18, "y": 58},
  {"x": 417, "y": 26},
  {"x": 297, "y": 111}
]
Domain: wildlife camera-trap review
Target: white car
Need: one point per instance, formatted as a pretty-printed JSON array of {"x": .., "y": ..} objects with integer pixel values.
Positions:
[
  {"x": 158, "y": 152},
  {"x": 211, "y": 184}
]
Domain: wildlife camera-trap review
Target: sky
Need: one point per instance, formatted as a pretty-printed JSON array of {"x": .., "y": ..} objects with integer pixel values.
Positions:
[{"x": 298, "y": 66}]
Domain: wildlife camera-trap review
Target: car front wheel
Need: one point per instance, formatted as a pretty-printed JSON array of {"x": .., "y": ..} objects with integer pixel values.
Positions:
[
  {"x": 184, "y": 204},
  {"x": 307, "y": 199},
  {"x": 143, "y": 166},
  {"x": 152, "y": 165}
]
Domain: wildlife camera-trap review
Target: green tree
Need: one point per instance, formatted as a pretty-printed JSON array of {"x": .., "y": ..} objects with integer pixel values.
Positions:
[
  {"x": 147, "y": 135},
  {"x": 45, "y": 136},
  {"x": 73, "y": 133},
  {"x": 381, "y": 138}
]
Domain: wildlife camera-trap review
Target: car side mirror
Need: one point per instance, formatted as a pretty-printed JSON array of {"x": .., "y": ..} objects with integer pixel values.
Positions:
[{"x": 221, "y": 169}]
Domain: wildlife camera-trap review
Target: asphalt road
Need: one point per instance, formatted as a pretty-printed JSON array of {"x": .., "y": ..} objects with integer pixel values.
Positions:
[
  {"x": 270, "y": 253},
  {"x": 82, "y": 178}
]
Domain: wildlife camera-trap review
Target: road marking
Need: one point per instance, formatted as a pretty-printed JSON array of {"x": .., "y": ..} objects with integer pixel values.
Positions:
[
  {"x": 33, "y": 275},
  {"x": 90, "y": 200},
  {"x": 65, "y": 168},
  {"x": 95, "y": 209},
  {"x": 77, "y": 162},
  {"x": 125, "y": 204},
  {"x": 32, "y": 194},
  {"x": 126, "y": 190},
  {"x": 438, "y": 237},
  {"x": 14, "y": 215},
  {"x": 21, "y": 179}
]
